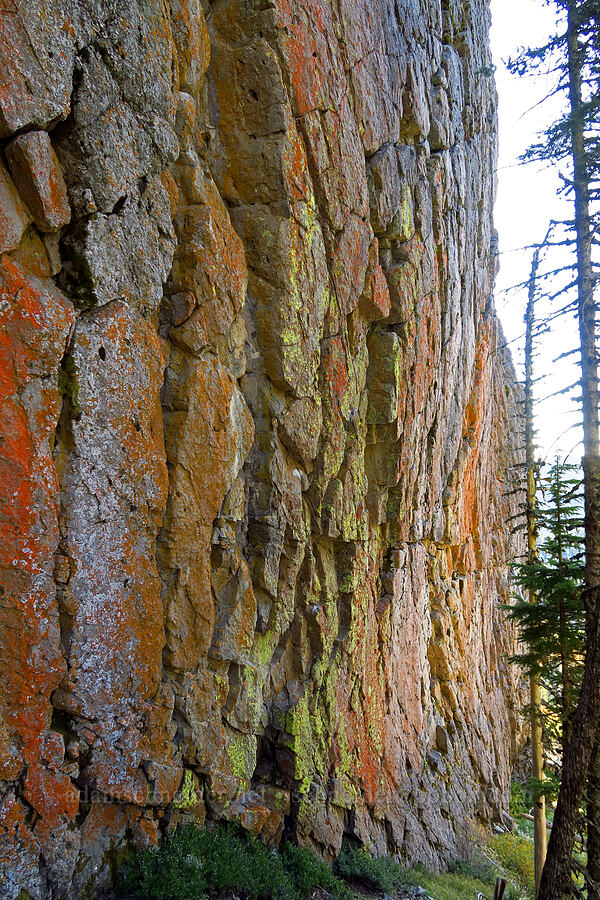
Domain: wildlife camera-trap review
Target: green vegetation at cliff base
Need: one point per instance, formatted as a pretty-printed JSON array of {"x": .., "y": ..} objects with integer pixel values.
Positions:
[{"x": 193, "y": 864}]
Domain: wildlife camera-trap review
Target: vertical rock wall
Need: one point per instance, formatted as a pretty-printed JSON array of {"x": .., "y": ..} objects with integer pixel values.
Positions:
[{"x": 256, "y": 429}]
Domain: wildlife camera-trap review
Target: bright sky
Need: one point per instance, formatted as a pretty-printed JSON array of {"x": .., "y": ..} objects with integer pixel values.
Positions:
[{"x": 526, "y": 201}]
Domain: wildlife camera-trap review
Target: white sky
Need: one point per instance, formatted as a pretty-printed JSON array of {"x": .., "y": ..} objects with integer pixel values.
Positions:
[{"x": 526, "y": 201}]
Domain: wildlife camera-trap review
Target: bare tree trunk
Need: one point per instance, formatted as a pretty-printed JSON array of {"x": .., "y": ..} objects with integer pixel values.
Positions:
[
  {"x": 566, "y": 699},
  {"x": 593, "y": 832},
  {"x": 591, "y": 457},
  {"x": 565, "y": 713},
  {"x": 556, "y": 879},
  {"x": 537, "y": 748}
]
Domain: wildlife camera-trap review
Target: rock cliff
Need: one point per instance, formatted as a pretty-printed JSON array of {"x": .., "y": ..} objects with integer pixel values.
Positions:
[{"x": 257, "y": 429}]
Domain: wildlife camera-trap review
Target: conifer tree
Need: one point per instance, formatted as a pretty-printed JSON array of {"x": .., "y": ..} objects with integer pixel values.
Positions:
[
  {"x": 553, "y": 628},
  {"x": 537, "y": 747},
  {"x": 574, "y": 55}
]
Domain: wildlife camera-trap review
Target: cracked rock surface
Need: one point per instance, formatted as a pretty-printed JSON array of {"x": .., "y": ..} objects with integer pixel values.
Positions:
[{"x": 260, "y": 446}]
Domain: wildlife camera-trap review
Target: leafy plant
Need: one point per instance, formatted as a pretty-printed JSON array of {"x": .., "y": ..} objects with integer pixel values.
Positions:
[
  {"x": 514, "y": 854},
  {"x": 381, "y": 873},
  {"x": 172, "y": 870},
  {"x": 193, "y": 862},
  {"x": 309, "y": 871}
]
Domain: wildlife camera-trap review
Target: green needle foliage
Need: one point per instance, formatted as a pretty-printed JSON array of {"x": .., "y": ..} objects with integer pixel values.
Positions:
[
  {"x": 553, "y": 628},
  {"x": 572, "y": 143}
]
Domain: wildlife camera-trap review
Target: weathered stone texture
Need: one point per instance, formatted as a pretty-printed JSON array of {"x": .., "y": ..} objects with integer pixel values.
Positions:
[
  {"x": 259, "y": 437},
  {"x": 39, "y": 178}
]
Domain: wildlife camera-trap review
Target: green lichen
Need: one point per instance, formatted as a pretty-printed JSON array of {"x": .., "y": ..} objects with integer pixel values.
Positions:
[
  {"x": 303, "y": 283},
  {"x": 187, "y": 797},
  {"x": 345, "y": 764},
  {"x": 306, "y": 811},
  {"x": 241, "y": 751},
  {"x": 263, "y": 648},
  {"x": 298, "y": 726},
  {"x": 407, "y": 225}
]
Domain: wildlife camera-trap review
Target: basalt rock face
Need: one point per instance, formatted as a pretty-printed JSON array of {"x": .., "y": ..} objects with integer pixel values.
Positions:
[{"x": 257, "y": 430}]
